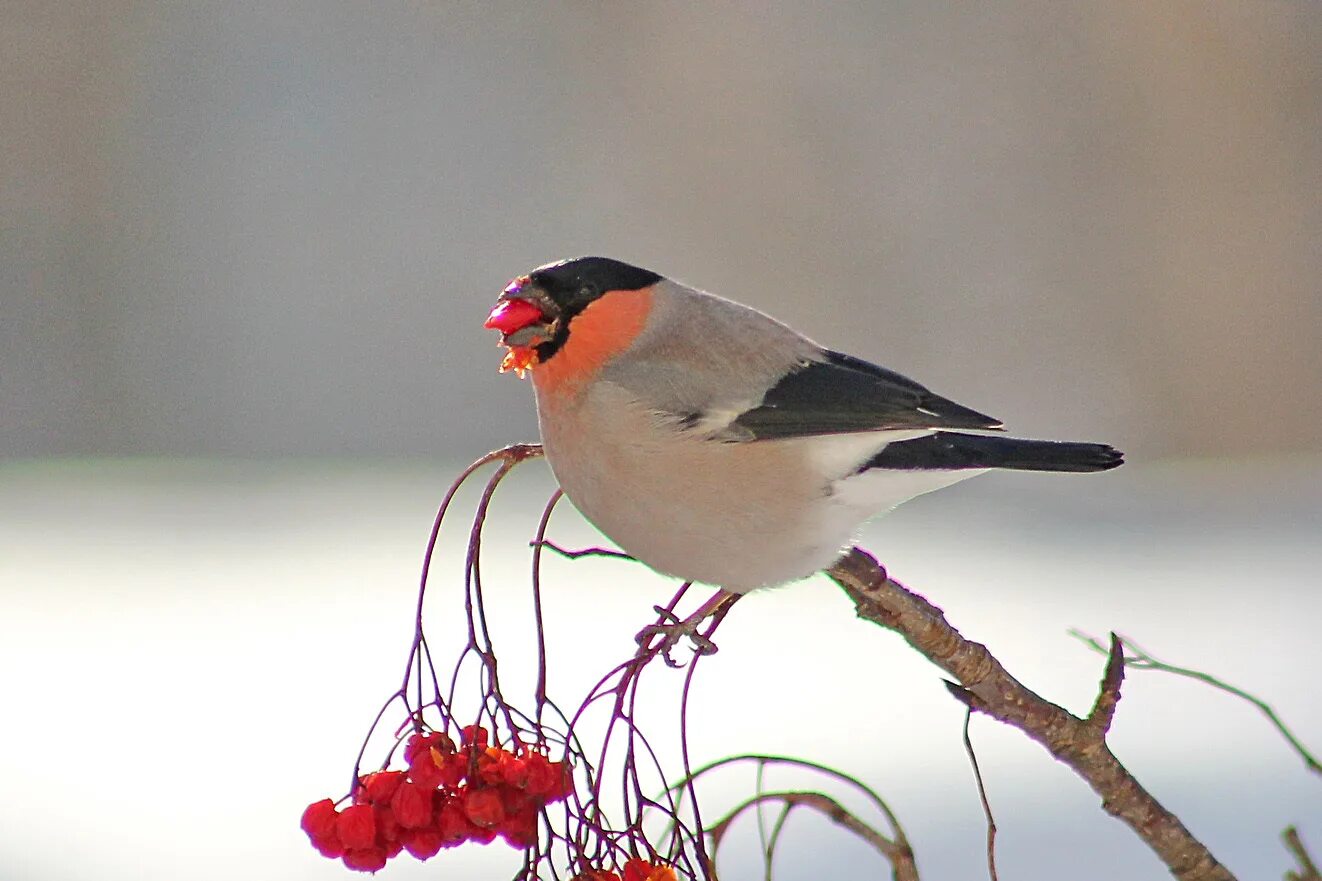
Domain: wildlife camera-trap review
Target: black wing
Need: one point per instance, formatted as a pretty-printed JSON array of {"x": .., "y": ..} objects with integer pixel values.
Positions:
[
  {"x": 843, "y": 394},
  {"x": 949, "y": 451}
]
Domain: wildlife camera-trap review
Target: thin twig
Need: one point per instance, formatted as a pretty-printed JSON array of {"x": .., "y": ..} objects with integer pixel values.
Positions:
[
  {"x": 1108, "y": 695},
  {"x": 769, "y": 851},
  {"x": 762, "y": 838},
  {"x": 977, "y": 776},
  {"x": 1308, "y": 870},
  {"x": 582, "y": 552},
  {"x": 1069, "y": 739},
  {"x": 762, "y": 759},
  {"x": 899, "y": 857},
  {"x": 1141, "y": 659}
]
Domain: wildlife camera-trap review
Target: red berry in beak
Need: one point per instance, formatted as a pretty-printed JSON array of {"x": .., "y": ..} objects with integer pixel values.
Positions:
[{"x": 511, "y": 316}]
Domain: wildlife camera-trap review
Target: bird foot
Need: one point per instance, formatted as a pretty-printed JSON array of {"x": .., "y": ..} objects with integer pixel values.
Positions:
[{"x": 672, "y": 631}]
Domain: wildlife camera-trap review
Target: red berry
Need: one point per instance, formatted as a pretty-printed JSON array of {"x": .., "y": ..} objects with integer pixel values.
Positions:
[
  {"x": 516, "y": 770},
  {"x": 482, "y": 836},
  {"x": 422, "y": 843},
  {"x": 474, "y": 734},
  {"x": 550, "y": 781},
  {"x": 520, "y": 829},
  {"x": 451, "y": 824},
  {"x": 564, "y": 778},
  {"x": 387, "y": 824},
  {"x": 510, "y": 316},
  {"x": 490, "y": 764},
  {"x": 540, "y": 776},
  {"x": 379, "y": 787},
  {"x": 319, "y": 819},
  {"x": 329, "y": 847},
  {"x": 412, "y": 805},
  {"x": 421, "y": 743},
  {"x": 424, "y": 771},
  {"x": 356, "y": 827},
  {"x": 517, "y": 801},
  {"x": 641, "y": 870},
  {"x": 366, "y": 859},
  {"x": 483, "y": 807},
  {"x": 454, "y": 771}
]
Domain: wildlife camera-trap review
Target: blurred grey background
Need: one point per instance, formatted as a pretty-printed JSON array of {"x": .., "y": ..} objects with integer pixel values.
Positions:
[
  {"x": 245, "y": 254},
  {"x": 274, "y": 228}
]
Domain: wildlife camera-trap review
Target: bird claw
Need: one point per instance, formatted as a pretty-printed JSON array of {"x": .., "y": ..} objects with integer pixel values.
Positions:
[{"x": 672, "y": 630}]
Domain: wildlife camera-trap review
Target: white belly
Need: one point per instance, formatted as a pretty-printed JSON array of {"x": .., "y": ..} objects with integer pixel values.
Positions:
[{"x": 735, "y": 515}]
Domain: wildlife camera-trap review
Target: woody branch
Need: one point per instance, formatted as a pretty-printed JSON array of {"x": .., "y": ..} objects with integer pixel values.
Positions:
[{"x": 986, "y": 687}]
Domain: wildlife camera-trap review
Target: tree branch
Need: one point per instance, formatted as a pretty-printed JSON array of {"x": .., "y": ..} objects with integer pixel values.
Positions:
[{"x": 990, "y": 689}]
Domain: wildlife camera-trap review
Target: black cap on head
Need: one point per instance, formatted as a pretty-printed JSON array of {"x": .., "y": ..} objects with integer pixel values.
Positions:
[
  {"x": 572, "y": 284},
  {"x": 564, "y": 289}
]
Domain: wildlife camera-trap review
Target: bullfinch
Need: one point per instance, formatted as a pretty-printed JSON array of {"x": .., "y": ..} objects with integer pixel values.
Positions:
[{"x": 717, "y": 445}]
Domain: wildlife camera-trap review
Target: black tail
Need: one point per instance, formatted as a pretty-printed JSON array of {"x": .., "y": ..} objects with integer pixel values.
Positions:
[{"x": 945, "y": 451}]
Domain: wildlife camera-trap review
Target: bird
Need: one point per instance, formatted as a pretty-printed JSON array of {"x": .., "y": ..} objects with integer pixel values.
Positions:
[{"x": 716, "y": 444}]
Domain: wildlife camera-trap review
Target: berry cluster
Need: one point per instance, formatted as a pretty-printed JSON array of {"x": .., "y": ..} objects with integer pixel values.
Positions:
[
  {"x": 449, "y": 795},
  {"x": 634, "y": 870}
]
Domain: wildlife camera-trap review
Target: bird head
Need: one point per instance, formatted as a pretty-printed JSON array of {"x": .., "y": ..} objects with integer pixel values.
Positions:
[{"x": 535, "y": 311}]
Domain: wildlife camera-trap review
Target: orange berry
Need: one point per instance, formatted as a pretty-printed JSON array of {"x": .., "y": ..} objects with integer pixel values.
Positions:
[{"x": 641, "y": 870}]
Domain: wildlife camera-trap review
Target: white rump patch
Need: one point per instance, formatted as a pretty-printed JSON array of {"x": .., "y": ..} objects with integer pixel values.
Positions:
[{"x": 839, "y": 455}]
